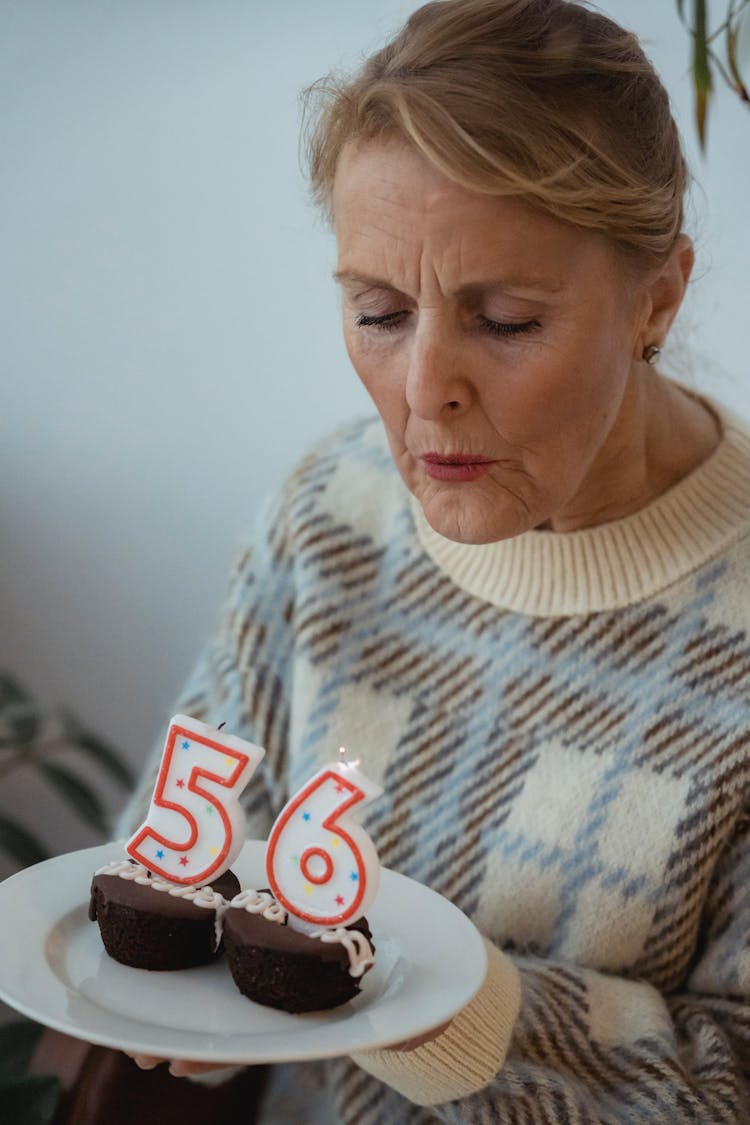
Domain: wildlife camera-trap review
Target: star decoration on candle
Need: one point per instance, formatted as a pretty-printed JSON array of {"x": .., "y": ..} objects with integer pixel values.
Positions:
[
  {"x": 321, "y": 867},
  {"x": 216, "y": 819}
]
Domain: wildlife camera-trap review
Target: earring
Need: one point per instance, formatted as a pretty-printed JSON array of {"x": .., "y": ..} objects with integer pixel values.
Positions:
[{"x": 651, "y": 353}]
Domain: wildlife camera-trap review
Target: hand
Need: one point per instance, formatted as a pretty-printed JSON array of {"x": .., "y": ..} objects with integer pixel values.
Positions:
[
  {"x": 178, "y": 1068},
  {"x": 181, "y": 1068}
]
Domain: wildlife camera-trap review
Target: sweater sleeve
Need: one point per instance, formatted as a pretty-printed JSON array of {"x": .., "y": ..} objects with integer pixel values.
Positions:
[{"x": 573, "y": 1045}]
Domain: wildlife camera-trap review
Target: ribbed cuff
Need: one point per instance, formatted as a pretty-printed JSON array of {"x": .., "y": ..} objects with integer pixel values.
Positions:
[{"x": 469, "y": 1052}]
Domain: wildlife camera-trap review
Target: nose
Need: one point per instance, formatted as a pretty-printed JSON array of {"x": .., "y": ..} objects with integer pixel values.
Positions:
[{"x": 435, "y": 384}]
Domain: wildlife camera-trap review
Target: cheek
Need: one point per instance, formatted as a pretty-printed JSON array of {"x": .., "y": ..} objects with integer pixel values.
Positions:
[
  {"x": 536, "y": 399},
  {"x": 560, "y": 390},
  {"x": 378, "y": 371}
]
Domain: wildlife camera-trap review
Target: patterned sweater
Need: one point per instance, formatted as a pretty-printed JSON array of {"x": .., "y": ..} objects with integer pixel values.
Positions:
[{"x": 561, "y": 724}]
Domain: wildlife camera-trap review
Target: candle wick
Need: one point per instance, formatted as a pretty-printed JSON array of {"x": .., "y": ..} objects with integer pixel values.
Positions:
[{"x": 222, "y": 725}]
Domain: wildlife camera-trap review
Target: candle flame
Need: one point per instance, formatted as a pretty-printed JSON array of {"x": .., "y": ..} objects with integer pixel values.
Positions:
[{"x": 343, "y": 764}]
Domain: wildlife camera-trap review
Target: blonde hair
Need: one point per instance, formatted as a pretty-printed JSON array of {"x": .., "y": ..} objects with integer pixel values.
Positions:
[{"x": 544, "y": 100}]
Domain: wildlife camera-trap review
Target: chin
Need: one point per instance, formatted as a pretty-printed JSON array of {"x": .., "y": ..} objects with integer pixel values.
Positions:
[{"x": 462, "y": 523}]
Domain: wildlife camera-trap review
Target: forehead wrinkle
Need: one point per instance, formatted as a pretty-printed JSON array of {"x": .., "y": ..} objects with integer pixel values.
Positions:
[
  {"x": 394, "y": 193},
  {"x": 517, "y": 284},
  {"x": 484, "y": 265},
  {"x": 405, "y": 263},
  {"x": 371, "y": 207}
]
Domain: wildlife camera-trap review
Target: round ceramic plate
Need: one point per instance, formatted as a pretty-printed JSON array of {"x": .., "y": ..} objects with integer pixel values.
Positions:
[{"x": 430, "y": 962}]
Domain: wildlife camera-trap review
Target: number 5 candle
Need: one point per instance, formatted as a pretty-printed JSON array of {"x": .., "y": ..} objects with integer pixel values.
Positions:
[
  {"x": 321, "y": 866},
  {"x": 195, "y": 827}
]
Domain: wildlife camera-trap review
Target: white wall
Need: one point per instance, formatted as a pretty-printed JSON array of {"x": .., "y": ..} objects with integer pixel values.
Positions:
[{"x": 169, "y": 329}]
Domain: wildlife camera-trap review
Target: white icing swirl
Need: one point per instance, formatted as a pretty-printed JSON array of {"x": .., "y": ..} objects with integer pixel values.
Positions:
[
  {"x": 259, "y": 902},
  {"x": 203, "y": 896},
  {"x": 361, "y": 956}
]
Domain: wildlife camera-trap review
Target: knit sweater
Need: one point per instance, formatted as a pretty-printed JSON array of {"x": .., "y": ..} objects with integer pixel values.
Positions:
[{"x": 560, "y": 723}]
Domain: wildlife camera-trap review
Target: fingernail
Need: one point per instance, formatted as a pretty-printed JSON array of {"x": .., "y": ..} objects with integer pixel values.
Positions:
[{"x": 144, "y": 1062}]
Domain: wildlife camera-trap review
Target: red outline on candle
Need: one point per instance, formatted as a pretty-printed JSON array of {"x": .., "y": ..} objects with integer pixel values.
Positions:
[
  {"x": 332, "y": 826},
  {"x": 303, "y": 861},
  {"x": 147, "y": 832}
]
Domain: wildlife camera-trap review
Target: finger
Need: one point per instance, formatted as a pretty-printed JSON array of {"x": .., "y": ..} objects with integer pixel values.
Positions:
[
  {"x": 145, "y": 1062},
  {"x": 181, "y": 1068}
]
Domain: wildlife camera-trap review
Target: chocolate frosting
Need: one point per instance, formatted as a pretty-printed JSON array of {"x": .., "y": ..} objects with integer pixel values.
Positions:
[
  {"x": 255, "y": 930},
  {"x": 140, "y": 897}
]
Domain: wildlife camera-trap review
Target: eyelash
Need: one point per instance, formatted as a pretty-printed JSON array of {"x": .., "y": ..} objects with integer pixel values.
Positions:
[{"x": 391, "y": 321}]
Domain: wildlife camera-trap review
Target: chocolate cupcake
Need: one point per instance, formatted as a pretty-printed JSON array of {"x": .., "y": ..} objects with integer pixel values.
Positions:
[
  {"x": 148, "y": 923},
  {"x": 280, "y": 967}
]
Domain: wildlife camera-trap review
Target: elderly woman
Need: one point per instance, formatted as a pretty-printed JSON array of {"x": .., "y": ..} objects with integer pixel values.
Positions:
[{"x": 522, "y": 592}]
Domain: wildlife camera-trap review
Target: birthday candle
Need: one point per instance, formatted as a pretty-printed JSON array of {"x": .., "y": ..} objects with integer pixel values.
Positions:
[
  {"x": 195, "y": 826},
  {"x": 321, "y": 866}
]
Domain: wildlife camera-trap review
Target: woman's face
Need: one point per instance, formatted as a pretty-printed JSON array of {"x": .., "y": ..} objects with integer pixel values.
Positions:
[{"x": 499, "y": 345}]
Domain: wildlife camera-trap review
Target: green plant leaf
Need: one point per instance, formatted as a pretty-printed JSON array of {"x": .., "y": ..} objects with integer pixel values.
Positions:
[
  {"x": 29, "y": 1101},
  {"x": 702, "y": 80},
  {"x": 731, "y": 41},
  {"x": 107, "y": 758},
  {"x": 22, "y": 720},
  {"x": 11, "y": 691},
  {"x": 98, "y": 750},
  {"x": 19, "y": 843},
  {"x": 17, "y": 1041},
  {"x": 79, "y": 794}
]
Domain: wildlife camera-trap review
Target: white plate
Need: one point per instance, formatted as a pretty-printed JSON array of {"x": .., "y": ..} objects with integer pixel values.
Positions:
[{"x": 430, "y": 961}]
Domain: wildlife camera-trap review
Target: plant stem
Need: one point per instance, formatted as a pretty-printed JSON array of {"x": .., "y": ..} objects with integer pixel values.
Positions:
[{"x": 732, "y": 15}]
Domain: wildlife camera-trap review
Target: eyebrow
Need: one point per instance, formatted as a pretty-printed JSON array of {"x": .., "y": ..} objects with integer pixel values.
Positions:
[{"x": 470, "y": 289}]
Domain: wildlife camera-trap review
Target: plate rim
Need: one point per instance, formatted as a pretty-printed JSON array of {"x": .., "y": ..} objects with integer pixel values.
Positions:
[{"x": 185, "y": 1045}]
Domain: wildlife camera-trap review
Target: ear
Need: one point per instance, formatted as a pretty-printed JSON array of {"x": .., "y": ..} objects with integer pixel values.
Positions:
[{"x": 665, "y": 289}]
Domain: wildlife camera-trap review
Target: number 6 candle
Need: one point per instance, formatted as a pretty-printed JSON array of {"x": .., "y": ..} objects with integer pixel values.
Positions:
[
  {"x": 195, "y": 827},
  {"x": 322, "y": 867}
]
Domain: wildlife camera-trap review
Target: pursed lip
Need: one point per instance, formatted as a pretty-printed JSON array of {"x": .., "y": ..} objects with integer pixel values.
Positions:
[
  {"x": 455, "y": 459},
  {"x": 455, "y": 467}
]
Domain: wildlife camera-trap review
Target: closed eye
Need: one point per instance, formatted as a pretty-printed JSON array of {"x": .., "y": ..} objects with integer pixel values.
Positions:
[
  {"x": 508, "y": 327},
  {"x": 388, "y": 322}
]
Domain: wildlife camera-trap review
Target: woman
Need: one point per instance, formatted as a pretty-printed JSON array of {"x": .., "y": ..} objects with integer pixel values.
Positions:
[{"x": 533, "y": 628}]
